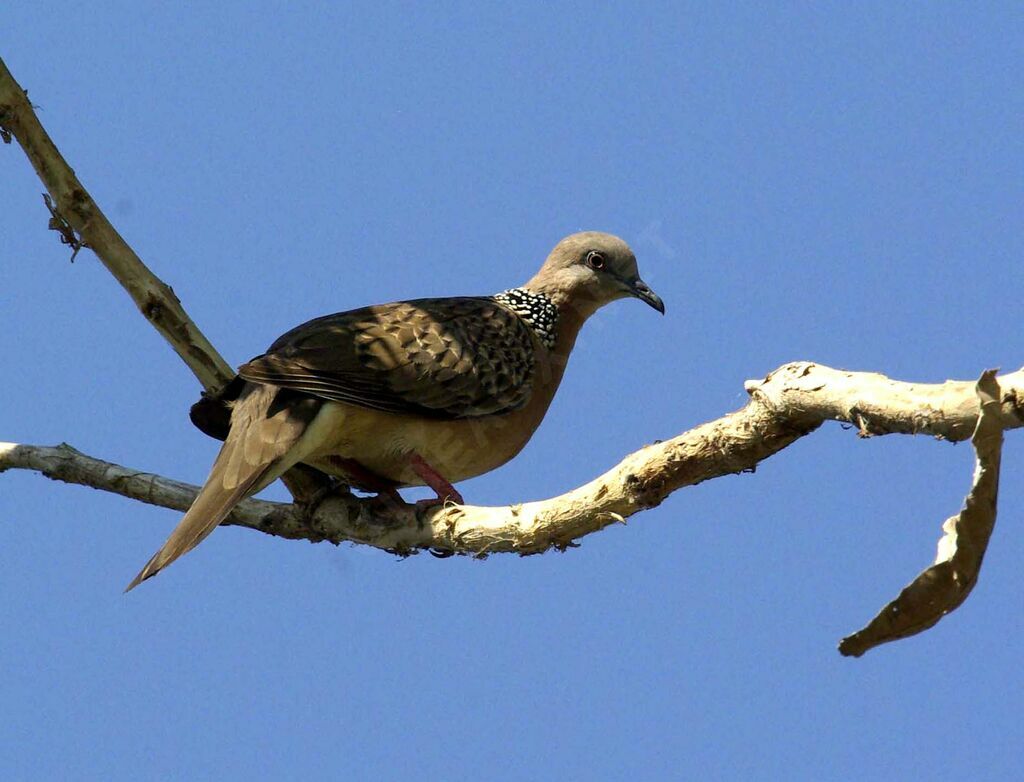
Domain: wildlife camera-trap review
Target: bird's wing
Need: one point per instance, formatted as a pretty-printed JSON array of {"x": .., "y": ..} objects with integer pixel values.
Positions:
[
  {"x": 266, "y": 423},
  {"x": 437, "y": 358}
]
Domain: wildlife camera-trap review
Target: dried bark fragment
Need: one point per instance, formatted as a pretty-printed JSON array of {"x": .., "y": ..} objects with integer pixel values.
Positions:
[{"x": 942, "y": 587}]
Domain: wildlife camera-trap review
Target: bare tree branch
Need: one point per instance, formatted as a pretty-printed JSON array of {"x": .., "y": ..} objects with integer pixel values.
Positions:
[
  {"x": 945, "y": 585},
  {"x": 877, "y": 405},
  {"x": 81, "y": 223},
  {"x": 791, "y": 402},
  {"x": 788, "y": 404}
]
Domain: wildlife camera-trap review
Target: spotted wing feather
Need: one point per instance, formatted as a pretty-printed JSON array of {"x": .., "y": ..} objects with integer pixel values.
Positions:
[{"x": 439, "y": 358}]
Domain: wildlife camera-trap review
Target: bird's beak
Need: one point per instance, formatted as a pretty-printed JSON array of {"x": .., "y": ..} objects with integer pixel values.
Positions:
[{"x": 642, "y": 291}]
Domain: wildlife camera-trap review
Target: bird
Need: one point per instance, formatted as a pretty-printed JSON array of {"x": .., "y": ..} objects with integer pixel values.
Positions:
[{"x": 424, "y": 392}]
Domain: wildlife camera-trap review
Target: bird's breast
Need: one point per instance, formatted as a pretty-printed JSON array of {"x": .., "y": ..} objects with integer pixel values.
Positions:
[{"x": 382, "y": 442}]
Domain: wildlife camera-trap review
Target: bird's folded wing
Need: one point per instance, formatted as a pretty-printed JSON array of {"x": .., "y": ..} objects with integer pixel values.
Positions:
[{"x": 439, "y": 358}]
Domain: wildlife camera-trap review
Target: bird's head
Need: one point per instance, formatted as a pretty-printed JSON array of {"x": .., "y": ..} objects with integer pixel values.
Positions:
[{"x": 587, "y": 270}]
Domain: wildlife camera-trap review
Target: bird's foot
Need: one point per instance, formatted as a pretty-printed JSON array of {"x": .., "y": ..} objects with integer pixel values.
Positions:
[
  {"x": 444, "y": 490},
  {"x": 388, "y": 499}
]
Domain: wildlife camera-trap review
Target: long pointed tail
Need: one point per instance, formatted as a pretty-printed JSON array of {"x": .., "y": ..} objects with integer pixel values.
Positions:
[
  {"x": 264, "y": 430},
  {"x": 210, "y": 508}
]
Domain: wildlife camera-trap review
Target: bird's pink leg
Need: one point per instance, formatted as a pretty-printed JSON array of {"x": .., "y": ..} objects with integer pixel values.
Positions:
[{"x": 436, "y": 481}]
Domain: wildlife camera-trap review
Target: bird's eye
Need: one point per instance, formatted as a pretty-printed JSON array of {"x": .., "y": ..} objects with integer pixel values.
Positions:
[{"x": 595, "y": 260}]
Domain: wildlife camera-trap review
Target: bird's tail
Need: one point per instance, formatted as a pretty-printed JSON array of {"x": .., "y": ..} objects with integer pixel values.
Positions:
[
  {"x": 259, "y": 447},
  {"x": 210, "y": 508}
]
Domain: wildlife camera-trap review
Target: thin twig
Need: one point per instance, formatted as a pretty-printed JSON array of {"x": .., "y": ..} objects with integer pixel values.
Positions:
[{"x": 81, "y": 222}]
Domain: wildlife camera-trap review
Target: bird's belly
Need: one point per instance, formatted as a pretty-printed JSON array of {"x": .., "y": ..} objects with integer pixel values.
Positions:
[{"x": 383, "y": 442}]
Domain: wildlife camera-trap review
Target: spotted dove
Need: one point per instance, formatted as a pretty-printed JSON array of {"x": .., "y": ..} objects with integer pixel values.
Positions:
[{"x": 423, "y": 392}]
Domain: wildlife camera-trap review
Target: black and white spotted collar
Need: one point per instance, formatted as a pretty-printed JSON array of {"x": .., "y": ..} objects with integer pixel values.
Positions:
[{"x": 536, "y": 310}]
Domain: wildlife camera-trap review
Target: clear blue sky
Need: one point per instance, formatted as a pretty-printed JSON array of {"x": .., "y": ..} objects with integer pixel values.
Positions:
[{"x": 803, "y": 181}]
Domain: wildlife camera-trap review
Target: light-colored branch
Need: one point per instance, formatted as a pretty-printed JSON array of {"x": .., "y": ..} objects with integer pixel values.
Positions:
[
  {"x": 791, "y": 402},
  {"x": 945, "y": 585},
  {"x": 64, "y": 463},
  {"x": 877, "y": 405},
  {"x": 81, "y": 223}
]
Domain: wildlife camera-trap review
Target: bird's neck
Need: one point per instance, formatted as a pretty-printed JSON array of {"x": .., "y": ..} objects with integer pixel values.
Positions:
[
  {"x": 552, "y": 362},
  {"x": 555, "y": 319},
  {"x": 565, "y": 297},
  {"x": 570, "y": 321},
  {"x": 536, "y": 310}
]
